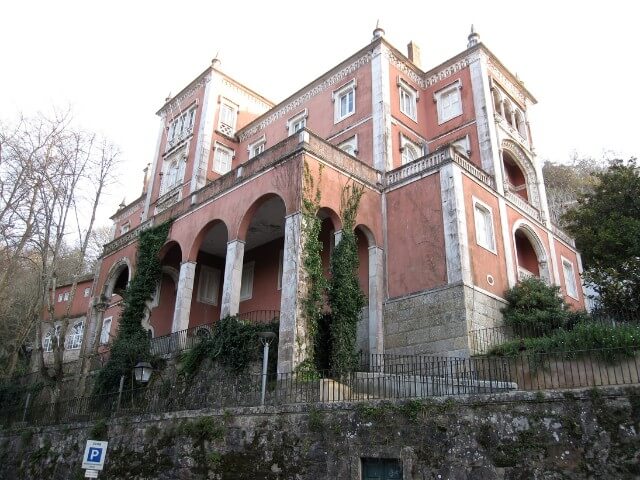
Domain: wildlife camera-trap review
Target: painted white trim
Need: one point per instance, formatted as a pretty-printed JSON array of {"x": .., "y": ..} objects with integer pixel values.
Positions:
[
  {"x": 337, "y": 95},
  {"x": 203, "y": 143},
  {"x": 476, "y": 201},
  {"x": 303, "y": 115},
  {"x": 538, "y": 246},
  {"x": 566, "y": 261},
  {"x": 455, "y": 86},
  {"x": 381, "y": 111}
]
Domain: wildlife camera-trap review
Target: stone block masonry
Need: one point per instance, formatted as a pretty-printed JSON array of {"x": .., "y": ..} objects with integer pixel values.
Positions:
[
  {"x": 559, "y": 434},
  {"x": 437, "y": 322}
]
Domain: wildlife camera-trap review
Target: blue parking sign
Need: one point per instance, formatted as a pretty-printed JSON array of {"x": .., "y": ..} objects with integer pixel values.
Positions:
[{"x": 94, "y": 455}]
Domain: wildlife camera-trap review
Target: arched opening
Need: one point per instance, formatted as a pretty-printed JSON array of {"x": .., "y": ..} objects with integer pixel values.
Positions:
[
  {"x": 261, "y": 283},
  {"x": 520, "y": 124},
  {"x": 508, "y": 112},
  {"x": 497, "y": 102},
  {"x": 530, "y": 255},
  {"x": 514, "y": 177},
  {"x": 163, "y": 304},
  {"x": 409, "y": 154},
  {"x": 118, "y": 280},
  {"x": 210, "y": 255}
]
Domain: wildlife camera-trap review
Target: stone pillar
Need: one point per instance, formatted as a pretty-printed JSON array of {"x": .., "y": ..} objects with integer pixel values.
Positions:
[
  {"x": 183, "y": 296},
  {"x": 376, "y": 285},
  {"x": 288, "y": 350},
  {"x": 232, "y": 278}
]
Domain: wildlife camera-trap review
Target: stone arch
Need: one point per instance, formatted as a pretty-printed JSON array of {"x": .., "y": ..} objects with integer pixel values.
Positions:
[
  {"x": 525, "y": 164},
  {"x": 167, "y": 247},
  {"x": 368, "y": 234},
  {"x": 251, "y": 211},
  {"x": 327, "y": 212},
  {"x": 114, "y": 279},
  {"x": 202, "y": 234},
  {"x": 174, "y": 274},
  {"x": 536, "y": 243}
]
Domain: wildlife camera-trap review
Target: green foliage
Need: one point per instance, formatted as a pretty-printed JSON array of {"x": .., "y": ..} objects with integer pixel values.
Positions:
[
  {"x": 205, "y": 428},
  {"x": 313, "y": 300},
  {"x": 618, "y": 290},
  {"x": 535, "y": 308},
  {"x": 233, "y": 344},
  {"x": 25, "y": 437},
  {"x": 315, "y": 420},
  {"x": 345, "y": 295},
  {"x": 609, "y": 342},
  {"x": 132, "y": 344},
  {"x": 606, "y": 222},
  {"x": 99, "y": 430}
]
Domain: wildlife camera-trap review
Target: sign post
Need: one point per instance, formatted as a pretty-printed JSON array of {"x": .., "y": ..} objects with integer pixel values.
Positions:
[{"x": 93, "y": 459}]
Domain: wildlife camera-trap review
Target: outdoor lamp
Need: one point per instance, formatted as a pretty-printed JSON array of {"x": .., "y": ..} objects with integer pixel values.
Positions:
[{"x": 142, "y": 371}]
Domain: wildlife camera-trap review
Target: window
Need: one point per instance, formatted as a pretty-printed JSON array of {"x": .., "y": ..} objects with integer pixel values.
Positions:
[
  {"x": 280, "y": 268},
  {"x": 227, "y": 119},
  {"x": 208, "y": 285},
  {"x": 87, "y": 292},
  {"x": 410, "y": 151},
  {"x": 66, "y": 296},
  {"x": 47, "y": 343},
  {"x": 106, "y": 330},
  {"x": 569, "y": 278},
  {"x": 449, "y": 102},
  {"x": 172, "y": 172},
  {"x": 350, "y": 146},
  {"x": 75, "y": 337},
  {"x": 257, "y": 147},
  {"x": 344, "y": 101},
  {"x": 181, "y": 127},
  {"x": 222, "y": 159},
  {"x": 408, "y": 100},
  {"x": 246, "y": 288},
  {"x": 297, "y": 123},
  {"x": 484, "y": 226},
  {"x": 125, "y": 227},
  {"x": 462, "y": 145},
  {"x": 59, "y": 297}
]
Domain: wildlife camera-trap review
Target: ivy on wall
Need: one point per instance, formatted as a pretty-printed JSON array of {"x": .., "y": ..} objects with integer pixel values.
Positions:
[
  {"x": 315, "y": 284},
  {"x": 346, "y": 298},
  {"x": 132, "y": 343}
]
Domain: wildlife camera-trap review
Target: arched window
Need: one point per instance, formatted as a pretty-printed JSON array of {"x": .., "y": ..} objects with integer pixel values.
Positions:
[
  {"x": 47, "y": 343},
  {"x": 409, "y": 154},
  {"x": 520, "y": 124},
  {"x": 75, "y": 337}
]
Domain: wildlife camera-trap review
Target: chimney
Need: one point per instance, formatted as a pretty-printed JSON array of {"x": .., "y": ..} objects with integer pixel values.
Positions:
[
  {"x": 414, "y": 54},
  {"x": 145, "y": 182}
]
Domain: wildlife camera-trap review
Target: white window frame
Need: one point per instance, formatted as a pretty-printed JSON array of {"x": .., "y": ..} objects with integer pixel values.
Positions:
[
  {"x": 405, "y": 144},
  {"x": 181, "y": 127},
  {"x": 222, "y": 148},
  {"x": 74, "y": 339},
  {"x": 65, "y": 296},
  {"x": 337, "y": 96},
  {"x": 280, "y": 268},
  {"x": 257, "y": 147},
  {"x": 481, "y": 213},
  {"x": 172, "y": 171},
  {"x": 47, "y": 341},
  {"x": 59, "y": 298},
  {"x": 350, "y": 146},
  {"x": 463, "y": 144},
  {"x": 213, "y": 276},
  {"x": 297, "y": 122},
  {"x": 570, "y": 285},
  {"x": 440, "y": 96},
  {"x": 105, "y": 333},
  {"x": 125, "y": 227},
  {"x": 227, "y": 126},
  {"x": 246, "y": 282},
  {"x": 87, "y": 292},
  {"x": 411, "y": 94}
]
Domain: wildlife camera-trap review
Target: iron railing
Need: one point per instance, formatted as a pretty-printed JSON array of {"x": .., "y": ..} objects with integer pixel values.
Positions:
[
  {"x": 375, "y": 377},
  {"x": 186, "y": 339}
]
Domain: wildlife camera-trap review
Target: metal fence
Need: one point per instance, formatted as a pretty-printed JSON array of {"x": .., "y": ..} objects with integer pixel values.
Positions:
[
  {"x": 185, "y": 339},
  {"x": 376, "y": 377}
]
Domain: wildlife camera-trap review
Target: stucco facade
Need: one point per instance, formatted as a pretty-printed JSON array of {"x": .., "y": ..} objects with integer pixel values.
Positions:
[{"x": 453, "y": 213}]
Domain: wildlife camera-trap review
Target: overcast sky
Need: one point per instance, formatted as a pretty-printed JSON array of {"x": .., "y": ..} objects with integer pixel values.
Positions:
[{"x": 115, "y": 62}]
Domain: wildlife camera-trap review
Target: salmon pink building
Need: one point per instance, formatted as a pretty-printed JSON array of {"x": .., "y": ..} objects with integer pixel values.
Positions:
[{"x": 454, "y": 209}]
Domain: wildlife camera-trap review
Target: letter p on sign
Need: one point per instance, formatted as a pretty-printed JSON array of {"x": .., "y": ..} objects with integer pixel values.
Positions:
[{"x": 94, "y": 455}]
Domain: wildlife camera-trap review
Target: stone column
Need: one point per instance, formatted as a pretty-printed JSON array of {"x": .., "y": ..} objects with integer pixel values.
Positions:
[
  {"x": 183, "y": 296},
  {"x": 232, "y": 278},
  {"x": 376, "y": 277},
  {"x": 288, "y": 351}
]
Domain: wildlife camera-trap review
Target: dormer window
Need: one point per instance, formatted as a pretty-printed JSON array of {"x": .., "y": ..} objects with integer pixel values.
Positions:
[
  {"x": 410, "y": 150},
  {"x": 350, "y": 146},
  {"x": 298, "y": 122},
  {"x": 257, "y": 147},
  {"x": 227, "y": 118},
  {"x": 181, "y": 127}
]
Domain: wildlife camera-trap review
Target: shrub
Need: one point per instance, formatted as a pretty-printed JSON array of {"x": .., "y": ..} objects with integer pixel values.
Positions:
[{"x": 535, "y": 308}]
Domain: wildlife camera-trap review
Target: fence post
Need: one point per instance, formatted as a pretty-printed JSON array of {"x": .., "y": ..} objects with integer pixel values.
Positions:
[
  {"x": 120, "y": 392},
  {"x": 26, "y": 406}
]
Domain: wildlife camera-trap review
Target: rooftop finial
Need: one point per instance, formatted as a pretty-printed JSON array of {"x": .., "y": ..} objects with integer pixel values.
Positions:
[
  {"x": 474, "y": 38},
  {"x": 168, "y": 97},
  {"x": 215, "y": 62},
  {"x": 378, "y": 32}
]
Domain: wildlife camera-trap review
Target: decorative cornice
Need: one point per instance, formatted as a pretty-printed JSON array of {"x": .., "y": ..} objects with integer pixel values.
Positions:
[
  {"x": 404, "y": 68},
  {"x": 245, "y": 94},
  {"x": 125, "y": 239},
  {"x": 176, "y": 102},
  {"x": 129, "y": 209},
  {"x": 300, "y": 100},
  {"x": 506, "y": 83}
]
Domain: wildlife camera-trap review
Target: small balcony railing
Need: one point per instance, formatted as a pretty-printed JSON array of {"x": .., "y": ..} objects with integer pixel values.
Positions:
[{"x": 186, "y": 339}]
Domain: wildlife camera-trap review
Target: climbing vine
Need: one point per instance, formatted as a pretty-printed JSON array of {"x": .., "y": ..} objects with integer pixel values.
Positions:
[
  {"x": 346, "y": 298},
  {"x": 132, "y": 343},
  {"x": 313, "y": 298}
]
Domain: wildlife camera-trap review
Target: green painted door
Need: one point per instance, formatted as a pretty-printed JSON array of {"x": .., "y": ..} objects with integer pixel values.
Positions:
[{"x": 381, "y": 469}]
